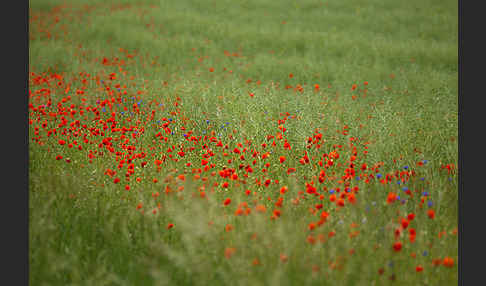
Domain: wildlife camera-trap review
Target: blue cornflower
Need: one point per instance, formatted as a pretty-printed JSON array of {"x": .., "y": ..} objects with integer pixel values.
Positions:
[
  {"x": 425, "y": 194},
  {"x": 430, "y": 203},
  {"x": 425, "y": 253},
  {"x": 405, "y": 167},
  {"x": 331, "y": 191},
  {"x": 379, "y": 175}
]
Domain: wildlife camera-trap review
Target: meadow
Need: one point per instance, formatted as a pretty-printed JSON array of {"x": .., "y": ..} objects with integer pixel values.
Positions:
[{"x": 251, "y": 142}]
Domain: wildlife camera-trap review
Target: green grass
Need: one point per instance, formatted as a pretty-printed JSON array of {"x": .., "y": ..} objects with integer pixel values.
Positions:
[{"x": 86, "y": 230}]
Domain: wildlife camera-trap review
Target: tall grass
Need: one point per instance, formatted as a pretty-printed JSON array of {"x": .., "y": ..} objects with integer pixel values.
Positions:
[{"x": 196, "y": 63}]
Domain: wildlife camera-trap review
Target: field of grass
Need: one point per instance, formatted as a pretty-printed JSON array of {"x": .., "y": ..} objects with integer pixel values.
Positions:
[{"x": 250, "y": 142}]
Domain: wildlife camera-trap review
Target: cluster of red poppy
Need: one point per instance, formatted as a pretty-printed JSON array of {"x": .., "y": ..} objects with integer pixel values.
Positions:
[{"x": 105, "y": 120}]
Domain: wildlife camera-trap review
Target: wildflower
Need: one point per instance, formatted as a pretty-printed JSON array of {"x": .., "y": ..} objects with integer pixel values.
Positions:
[
  {"x": 340, "y": 202},
  {"x": 431, "y": 213},
  {"x": 311, "y": 226},
  {"x": 436, "y": 261},
  {"x": 261, "y": 208},
  {"x": 170, "y": 225},
  {"x": 310, "y": 239},
  {"x": 410, "y": 216},
  {"x": 405, "y": 223},
  {"x": 448, "y": 262},
  {"x": 391, "y": 197},
  {"x": 397, "y": 246},
  {"x": 290, "y": 170},
  {"x": 228, "y": 228},
  {"x": 227, "y": 201},
  {"x": 229, "y": 251},
  {"x": 419, "y": 268},
  {"x": 351, "y": 198}
]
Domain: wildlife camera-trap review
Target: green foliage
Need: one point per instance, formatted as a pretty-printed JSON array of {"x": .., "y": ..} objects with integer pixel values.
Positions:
[{"x": 86, "y": 230}]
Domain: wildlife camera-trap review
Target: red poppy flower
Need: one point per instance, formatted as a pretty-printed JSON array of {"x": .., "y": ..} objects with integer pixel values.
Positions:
[
  {"x": 411, "y": 216},
  {"x": 391, "y": 197},
  {"x": 397, "y": 246},
  {"x": 448, "y": 262},
  {"x": 405, "y": 223}
]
